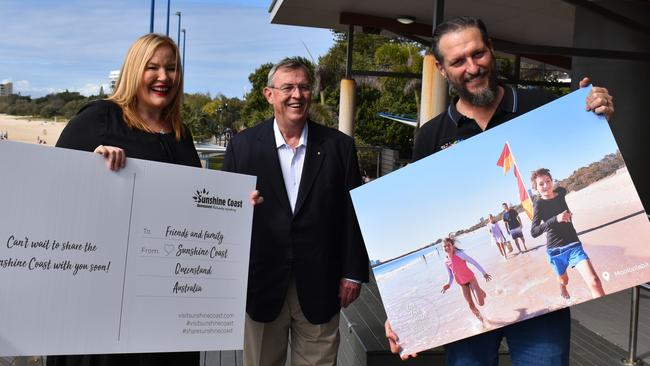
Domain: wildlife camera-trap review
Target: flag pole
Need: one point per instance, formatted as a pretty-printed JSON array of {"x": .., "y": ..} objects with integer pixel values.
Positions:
[
  {"x": 517, "y": 175},
  {"x": 514, "y": 163}
]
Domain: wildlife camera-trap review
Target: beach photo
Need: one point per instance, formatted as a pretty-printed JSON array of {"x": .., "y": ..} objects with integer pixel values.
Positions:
[{"x": 527, "y": 218}]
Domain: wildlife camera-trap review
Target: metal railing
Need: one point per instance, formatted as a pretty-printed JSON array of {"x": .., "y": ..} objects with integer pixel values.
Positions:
[{"x": 634, "y": 327}]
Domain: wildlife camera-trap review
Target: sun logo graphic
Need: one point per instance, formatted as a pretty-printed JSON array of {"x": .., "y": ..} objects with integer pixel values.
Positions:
[
  {"x": 200, "y": 194},
  {"x": 204, "y": 199}
]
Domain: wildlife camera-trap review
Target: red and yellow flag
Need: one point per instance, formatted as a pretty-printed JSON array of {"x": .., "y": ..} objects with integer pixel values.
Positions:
[
  {"x": 526, "y": 202},
  {"x": 505, "y": 160}
]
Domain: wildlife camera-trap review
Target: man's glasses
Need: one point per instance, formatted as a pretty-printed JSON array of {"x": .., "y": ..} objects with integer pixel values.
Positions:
[{"x": 289, "y": 88}]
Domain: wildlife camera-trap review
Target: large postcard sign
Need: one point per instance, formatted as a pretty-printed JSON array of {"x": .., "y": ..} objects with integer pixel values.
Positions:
[
  {"x": 581, "y": 233},
  {"x": 153, "y": 258}
]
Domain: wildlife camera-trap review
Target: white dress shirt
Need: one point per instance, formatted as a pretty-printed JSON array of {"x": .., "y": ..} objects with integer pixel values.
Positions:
[{"x": 291, "y": 162}]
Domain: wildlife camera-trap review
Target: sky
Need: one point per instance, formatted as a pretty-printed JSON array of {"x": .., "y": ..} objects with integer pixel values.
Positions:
[
  {"x": 50, "y": 46},
  {"x": 451, "y": 190}
]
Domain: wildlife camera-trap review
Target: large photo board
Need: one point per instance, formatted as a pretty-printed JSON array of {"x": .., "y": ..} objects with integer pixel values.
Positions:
[{"x": 436, "y": 291}]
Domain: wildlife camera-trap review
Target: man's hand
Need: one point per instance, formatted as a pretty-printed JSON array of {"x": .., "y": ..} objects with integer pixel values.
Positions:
[
  {"x": 256, "y": 198},
  {"x": 393, "y": 341},
  {"x": 348, "y": 292},
  {"x": 445, "y": 288},
  {"x": 599, "y": 101}
]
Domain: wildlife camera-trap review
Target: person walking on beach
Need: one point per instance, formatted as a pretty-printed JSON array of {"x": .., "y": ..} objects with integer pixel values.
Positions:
[
  {"x": 552, "y": 216},
  {"x": 494, "y": 230},
  {"x": 456, "y": 264},
  {"x": 513, "y": 226}
]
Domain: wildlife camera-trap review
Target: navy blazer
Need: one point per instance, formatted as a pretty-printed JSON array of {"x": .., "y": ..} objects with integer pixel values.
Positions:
[{"x": 320, "y": 242}]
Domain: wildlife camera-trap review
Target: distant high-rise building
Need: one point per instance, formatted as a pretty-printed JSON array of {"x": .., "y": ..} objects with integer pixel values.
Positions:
[
  {"x": 6, "y": 89},
  {"x": 112, "y": 77}
]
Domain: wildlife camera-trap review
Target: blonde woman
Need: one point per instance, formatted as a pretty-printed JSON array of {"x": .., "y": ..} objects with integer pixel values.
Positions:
[{"x": 140, "y": 120}]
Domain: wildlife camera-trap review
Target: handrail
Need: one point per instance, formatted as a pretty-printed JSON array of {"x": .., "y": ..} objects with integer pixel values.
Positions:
[{"x": 634, "y": 329}]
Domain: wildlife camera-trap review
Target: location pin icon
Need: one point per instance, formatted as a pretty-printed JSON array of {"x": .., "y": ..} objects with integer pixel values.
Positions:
[{"x": 606, "y": 276}]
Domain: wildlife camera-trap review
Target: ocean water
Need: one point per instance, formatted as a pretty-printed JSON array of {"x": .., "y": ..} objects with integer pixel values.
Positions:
[{"x": 467, "y": 241}]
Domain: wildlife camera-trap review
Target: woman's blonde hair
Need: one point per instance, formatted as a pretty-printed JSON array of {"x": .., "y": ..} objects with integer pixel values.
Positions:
[{"x": 126, "y": 88}]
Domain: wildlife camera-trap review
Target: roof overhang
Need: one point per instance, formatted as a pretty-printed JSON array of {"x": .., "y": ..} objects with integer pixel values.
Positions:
[
  {"x": 548, "y": 22},
  {"x": 539, "y": 30}
]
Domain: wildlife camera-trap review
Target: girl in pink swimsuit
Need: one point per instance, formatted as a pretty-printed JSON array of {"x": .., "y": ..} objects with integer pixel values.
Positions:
[{"x": 456, "y": 264}]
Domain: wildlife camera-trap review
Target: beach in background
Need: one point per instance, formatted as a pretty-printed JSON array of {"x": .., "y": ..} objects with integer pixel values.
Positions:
[
  {"x": 611, "y": 224},
  {"x": 26, "y": 129}
]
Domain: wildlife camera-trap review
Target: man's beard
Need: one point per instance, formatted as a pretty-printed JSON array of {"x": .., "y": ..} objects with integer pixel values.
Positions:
[{"x": 483, "y": 97}]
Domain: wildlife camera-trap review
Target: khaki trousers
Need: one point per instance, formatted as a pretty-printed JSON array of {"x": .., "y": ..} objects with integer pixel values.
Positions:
[{"x": 265, "y": 344}]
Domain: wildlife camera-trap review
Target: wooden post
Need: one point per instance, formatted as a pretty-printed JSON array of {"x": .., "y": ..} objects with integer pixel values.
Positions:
[
  {"x": 346, "y": 107},
  {"x": 434, "y": 90}
]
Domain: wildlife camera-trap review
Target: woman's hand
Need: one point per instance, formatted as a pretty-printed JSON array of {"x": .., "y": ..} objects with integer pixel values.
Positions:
[
  {"x": 115, "y": 157},
  {"x": 445, "y": 288},
  {"x": 256, "y": 198},
  {"x": 487, "y": 277}
]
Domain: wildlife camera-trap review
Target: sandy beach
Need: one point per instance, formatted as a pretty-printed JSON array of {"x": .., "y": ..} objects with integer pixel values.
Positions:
[
  {"x": 27, "y": 130},
  {"x": 611, "y": 225}
]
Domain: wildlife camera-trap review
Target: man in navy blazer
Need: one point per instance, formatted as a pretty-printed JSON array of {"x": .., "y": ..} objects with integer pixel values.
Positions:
[{"x": 307, "y": 256}]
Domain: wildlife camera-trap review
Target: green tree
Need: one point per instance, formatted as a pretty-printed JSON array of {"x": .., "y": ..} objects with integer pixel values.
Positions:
[
  {"x": 202, "y": 125},
  {"x": 71, "y": 108},
  {"x": 255, "y": 107},
  {"x": 226, "y": 111},
  {"x": 196, "y": 100},
  {"x": 374, "y": 94}
]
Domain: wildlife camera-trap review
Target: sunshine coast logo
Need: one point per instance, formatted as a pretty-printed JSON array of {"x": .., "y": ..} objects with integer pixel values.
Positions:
[{"x": 203, "y": 199}]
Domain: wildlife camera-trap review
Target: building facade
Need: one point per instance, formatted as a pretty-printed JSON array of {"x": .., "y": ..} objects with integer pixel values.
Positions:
[
  {"x": 6, "y": 89},
  {"x": 112, "y": 78}
]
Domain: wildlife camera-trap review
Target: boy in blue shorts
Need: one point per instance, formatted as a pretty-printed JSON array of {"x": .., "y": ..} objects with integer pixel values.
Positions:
[{"x": 552, "y": 215}]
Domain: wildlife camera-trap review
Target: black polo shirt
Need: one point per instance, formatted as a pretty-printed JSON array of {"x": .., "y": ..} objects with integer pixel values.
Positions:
[{"x": 450, "y": 127}]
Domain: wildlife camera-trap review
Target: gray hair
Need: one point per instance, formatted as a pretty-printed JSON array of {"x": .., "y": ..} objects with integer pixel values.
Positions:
[{"x": 291, "y": 63}]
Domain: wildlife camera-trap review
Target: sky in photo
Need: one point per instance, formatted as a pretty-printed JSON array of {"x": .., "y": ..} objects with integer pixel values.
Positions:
[
  {"x": 50, "y": 46},
  {"x": 453, "y": 189}
]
